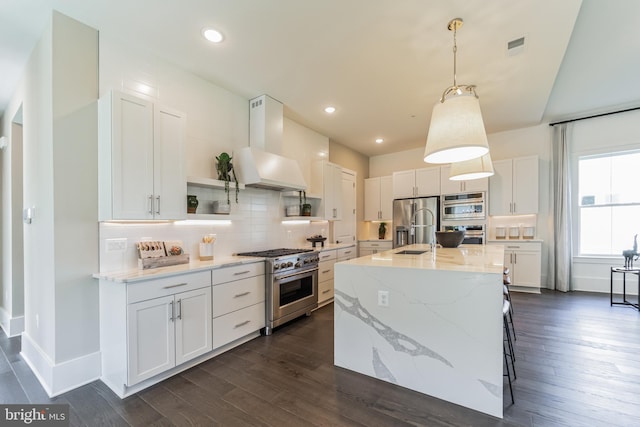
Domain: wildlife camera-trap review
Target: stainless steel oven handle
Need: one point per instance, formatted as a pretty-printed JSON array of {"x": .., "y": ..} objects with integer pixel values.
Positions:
[{"x": 276, "y": 278}]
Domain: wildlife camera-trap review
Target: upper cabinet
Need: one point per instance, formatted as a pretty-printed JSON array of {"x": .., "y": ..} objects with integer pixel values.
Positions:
[
  {"x": 416, "y": 183},
  {"x": 141, "y": 160},
  {"x": 378, "y": 198},
  {"x": 448, "y": 186},
  {"x": 513, "y": 189},
  {"x": 326, "y": 179}
]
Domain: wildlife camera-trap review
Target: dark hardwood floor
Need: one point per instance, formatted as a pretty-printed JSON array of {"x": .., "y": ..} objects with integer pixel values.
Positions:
[{"x": 577, "y": 360}]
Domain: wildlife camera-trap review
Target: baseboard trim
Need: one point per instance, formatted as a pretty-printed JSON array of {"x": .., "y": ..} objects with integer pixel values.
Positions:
[
  {"x": 12, "y": 326},
  {"x": 62, "y": 377}
]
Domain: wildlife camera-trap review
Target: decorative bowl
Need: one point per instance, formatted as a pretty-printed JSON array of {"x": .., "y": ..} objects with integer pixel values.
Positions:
[{"x": 449, "y": 239}]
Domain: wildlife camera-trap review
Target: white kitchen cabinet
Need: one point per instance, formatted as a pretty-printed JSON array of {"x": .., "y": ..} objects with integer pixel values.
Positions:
[
  {"x": 513, "y": 189},
  {"x": 368, "y": 247},
  {"x": 325, "y": 276},
  {"x": 448, "y": 186},
  {"x": 524, "y": 260},
  {"x": 378, "y": 198},
  {"x": 141, "y": 160},
  {"x": 168, "y": 331},
  {"x": 238, "y": 302},
  {"x": 148, "y": 327},
  {"x": 326, "y": 179},
  {"x": 416, "y": 183}
]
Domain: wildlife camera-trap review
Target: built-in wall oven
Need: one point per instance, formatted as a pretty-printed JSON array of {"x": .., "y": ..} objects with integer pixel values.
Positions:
[
  {"x": 291, "y": 284},
  {"x": 463, "y": 206},
  {"x": 473, "y": 234}
]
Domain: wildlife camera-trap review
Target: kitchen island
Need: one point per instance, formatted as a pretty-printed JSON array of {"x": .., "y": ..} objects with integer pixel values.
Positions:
[{"x": 430, "y": 322}]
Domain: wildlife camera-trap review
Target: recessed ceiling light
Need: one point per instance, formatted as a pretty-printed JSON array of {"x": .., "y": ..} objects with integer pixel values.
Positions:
[
  {"x": 214, "y": 36},
  {"x": 330, "y": 110},
  {"x": 379, "y": 140}
]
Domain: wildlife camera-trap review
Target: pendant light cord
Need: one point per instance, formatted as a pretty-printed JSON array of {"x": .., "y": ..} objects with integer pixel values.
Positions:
[{"x": 455, "y": 51}]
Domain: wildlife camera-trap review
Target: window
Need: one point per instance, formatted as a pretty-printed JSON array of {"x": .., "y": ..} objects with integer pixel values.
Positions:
[{"x": 609, "y": 202}]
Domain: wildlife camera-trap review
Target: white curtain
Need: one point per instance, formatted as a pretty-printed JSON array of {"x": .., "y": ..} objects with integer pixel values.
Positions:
[{"x": 561, "y": 260}]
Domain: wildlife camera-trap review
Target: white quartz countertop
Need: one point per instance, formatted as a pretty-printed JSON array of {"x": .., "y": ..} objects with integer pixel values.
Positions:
[
  {"x": 469, "y": 258},
  {"x": 136, "y": 275}
]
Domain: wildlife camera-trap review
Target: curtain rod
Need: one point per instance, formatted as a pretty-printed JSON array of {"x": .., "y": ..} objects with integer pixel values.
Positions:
[{"x": 594, "y": 116}]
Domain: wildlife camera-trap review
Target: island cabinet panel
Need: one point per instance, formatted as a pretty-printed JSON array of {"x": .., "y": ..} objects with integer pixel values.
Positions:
[
  {"x": 431, "y": 322},
  {"x": 368, "y": 247},
  {"x": 238, "y": 302},
  {"x": 524, "y": 260}
]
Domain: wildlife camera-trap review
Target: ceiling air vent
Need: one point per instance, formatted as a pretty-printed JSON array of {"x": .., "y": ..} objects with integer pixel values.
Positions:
[{"x": 515, "y": 47}]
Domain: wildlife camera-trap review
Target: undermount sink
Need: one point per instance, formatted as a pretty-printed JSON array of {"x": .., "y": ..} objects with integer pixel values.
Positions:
[{"x": 411, "y": 252}]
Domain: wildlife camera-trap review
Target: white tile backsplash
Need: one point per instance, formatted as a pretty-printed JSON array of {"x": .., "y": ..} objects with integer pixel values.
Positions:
[{"x": 256, "y": 224}]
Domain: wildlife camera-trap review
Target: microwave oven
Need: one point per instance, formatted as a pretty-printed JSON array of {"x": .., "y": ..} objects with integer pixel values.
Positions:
[{"x": 464, "y": 206}]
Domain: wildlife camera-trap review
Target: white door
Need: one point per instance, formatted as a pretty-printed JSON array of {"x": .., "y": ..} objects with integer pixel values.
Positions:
[
  {"x": 526, "y": 269},
  {"x": 372, "y": 199},
  {"x": 428, "y": 181},
  {"x": 150, "y": 338},
  {"x": 525, "y": 185},
  {"x": 345, "y": 230},
  {"x": 170, "y": 180},
  {"x": 386, "y": 198},
  {"x": 500, "y": 188},
  {"x": 193, "y": 324},
  {"x": 132, "y": 157},
  {"x": 404, "y": 183}
]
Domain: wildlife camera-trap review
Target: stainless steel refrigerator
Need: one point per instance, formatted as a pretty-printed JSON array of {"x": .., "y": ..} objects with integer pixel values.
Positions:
[{"x": 415, "y": 220}]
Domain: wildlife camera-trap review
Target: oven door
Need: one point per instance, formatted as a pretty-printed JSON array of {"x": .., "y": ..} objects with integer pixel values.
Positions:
[
  {"x": 295, "y": 293},
  {"x": 463, "y": 211}
]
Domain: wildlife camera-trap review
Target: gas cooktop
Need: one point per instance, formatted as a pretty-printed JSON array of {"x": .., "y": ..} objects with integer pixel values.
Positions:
[{"x": 275, "y": 253}]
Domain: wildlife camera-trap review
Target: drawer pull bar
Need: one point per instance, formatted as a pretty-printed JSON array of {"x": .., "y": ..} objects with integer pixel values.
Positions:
[
  {"x": 242, "y": 294},
  {"x": 242, "y": 324},
  {"x": 175, "y": 286},
  {"x": 241, "y": 272},
  {"x": 326, "y": 291},
  {"x": 326, "y": 271},
  {"x": 347, "y": 252},
  {"x": 326, "y": 256}
]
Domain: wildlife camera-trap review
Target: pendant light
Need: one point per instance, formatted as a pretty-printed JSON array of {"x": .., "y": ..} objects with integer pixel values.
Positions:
[
  {"x": 456, "y": 132},
  {"x": 480, "y": 167}
]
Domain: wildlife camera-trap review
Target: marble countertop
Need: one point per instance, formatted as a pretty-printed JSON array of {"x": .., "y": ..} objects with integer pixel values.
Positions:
[
  {"x": 136, "y": 275},
  {"x": 467, "y": 258}
]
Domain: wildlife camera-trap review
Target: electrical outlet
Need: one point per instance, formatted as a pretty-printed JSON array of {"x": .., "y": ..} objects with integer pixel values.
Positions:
[
  {"x": 116, "y": 245},
  {"x": 383, "y": 298}
]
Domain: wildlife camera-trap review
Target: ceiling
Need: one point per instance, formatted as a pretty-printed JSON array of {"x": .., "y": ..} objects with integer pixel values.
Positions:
[{"x": 382, "y": 64}]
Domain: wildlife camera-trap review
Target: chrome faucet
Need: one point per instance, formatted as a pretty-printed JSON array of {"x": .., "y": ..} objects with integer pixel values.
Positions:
[{"x": 432, "y": 244}]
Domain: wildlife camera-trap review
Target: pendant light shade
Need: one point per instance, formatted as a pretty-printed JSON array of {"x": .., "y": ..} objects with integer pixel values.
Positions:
[
  {"x": 480, "y": 167},
  {"x": 456, "y": 132}
]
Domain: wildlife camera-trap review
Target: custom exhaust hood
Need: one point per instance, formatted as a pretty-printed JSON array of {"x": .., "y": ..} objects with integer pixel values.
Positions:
[{"x": 261, "y": 164}]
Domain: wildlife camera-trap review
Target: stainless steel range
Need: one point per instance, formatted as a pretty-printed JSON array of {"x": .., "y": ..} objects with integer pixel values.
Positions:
[{"x": 291, "y": 284}]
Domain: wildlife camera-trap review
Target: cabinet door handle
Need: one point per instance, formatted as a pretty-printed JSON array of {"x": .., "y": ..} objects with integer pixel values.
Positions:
[
  {"x": 514, "y": 207},
  {"x": 179, "y": 316},
  {"x": 242, "y": 324},
  {"x": 150, "y": 204},
  {"x": 515, "y": 258},
  {"x": 158, "y": 205},
  {"x": 171, "y": 317},
  {"x": 241, "y": 294},
  {"x": 241, "y": 272},
  {"x": 175, "y": 286}
]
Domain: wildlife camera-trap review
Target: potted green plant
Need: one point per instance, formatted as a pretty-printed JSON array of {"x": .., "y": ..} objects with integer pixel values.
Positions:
[
  {"x": 305, "y": 208},
  {"x": 192, "y": 203},
  {"x": 224, "y": 167},
  {"x": 382, "y": 230}
]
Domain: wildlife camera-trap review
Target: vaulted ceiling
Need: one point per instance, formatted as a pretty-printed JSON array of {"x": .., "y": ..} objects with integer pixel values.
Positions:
[{"x": 382, "y": 64}]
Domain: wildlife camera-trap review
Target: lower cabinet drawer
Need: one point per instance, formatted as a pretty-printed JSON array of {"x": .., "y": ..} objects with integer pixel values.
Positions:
[
  {"x": 325, "y": 290},
  {"x": 233, "y": 296},
  {"x": 325, "y": 271},
  {"x": 237, "y": 324}
]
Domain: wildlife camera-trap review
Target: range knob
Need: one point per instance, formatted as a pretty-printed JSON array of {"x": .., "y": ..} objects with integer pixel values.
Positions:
[
  {"x": 297, "y": 264},
  {"x": 276, "y": 266},
  {"x": 306, "y": 260},
  {"x": 289, "y": 264},
  {"x": 283, "y": 265}
]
